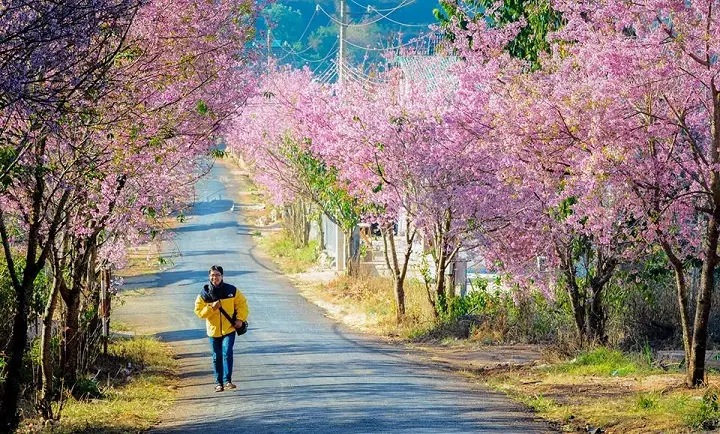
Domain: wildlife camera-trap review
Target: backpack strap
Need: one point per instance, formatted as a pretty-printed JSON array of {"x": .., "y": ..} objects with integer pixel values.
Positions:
[{"x": 229, "y": 318}]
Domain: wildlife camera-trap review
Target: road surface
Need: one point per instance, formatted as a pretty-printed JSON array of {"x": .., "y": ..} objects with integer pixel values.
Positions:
[{"x": 296, "y": 370}]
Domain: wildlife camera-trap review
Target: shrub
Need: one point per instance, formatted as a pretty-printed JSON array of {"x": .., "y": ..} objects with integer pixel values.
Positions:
[
  {"x": 647, "y": 401},
  {"x": 86, "y": 388},
  {"x": 706, "y": 417}
]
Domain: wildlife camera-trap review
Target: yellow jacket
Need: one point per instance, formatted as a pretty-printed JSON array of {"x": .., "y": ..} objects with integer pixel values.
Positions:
[{"x": 231, "y": 300}]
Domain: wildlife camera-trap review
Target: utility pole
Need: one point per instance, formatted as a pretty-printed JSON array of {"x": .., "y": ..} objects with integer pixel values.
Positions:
[
  {"x": 269, "y": 43},
  {"x": 341, "y": 52}
]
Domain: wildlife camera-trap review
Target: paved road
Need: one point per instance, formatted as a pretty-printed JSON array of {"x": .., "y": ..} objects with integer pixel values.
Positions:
[{"x": 297, "y": 371}]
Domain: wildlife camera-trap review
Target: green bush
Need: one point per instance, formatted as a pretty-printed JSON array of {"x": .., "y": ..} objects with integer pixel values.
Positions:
[
  {"x": 480, "y": 301},
  {"x": 86, "y": 388},
  {"x": 707, "y": 417},
  {"x": 647, "y": 401},
  {"x": 496, "y": 315}
]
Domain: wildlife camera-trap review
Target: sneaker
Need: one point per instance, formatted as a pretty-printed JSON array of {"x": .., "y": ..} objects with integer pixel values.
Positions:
[
  {"x": 229, "y": 385},
  {"x": 219, "y": 388}
]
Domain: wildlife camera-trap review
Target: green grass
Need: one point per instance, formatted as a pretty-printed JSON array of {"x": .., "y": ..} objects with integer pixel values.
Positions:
[
  {"x": 126, "y": 404},
  {"x": 705, "y": 414},
  {"x": 620, "y": 392},
  {"x": 120, "y": 326},
  {"x": 539, "y": 403},
  {"x": 647, "y": 401},
  {"x": 602, "y": 362},
  {"x": 290, "y": 258}
]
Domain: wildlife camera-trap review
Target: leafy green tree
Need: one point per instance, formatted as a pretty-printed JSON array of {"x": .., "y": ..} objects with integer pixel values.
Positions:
[
  {"x": 321, "y": 185},
  {"x": 532, "y": 38}
]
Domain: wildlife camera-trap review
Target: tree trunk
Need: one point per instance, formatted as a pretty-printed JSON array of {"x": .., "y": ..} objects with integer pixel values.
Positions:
[
  {"x": 683, "y": 302},
  {"x": 440, "y": 264},
  {"x": 8, "y": 416},
  {"x": 578, "y": 307},
  {"x": 596, "y": 317},
  {"x": 321, "y": 232},
  {"x": 391, "y": 260},
  {"x": 306, "y": 220},
  {"x": 34, "y": 263},
  {"x": 352, "y": 256},
  {"x": 696, "y": 365},
  {"x": 45, "y": 348},
  {"x": 577, "y": 300},
  {"x": 71, "y": 337},
  {"x": 297, "y": 222},
  {"x": 453, "y": 270}
]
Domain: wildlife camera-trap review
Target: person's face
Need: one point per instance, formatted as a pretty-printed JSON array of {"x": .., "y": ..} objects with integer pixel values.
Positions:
[{"x": 215, "y": 277}]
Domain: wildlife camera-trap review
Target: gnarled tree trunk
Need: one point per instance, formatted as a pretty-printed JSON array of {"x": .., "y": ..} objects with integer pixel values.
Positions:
[{"x": 397, "y": 268}]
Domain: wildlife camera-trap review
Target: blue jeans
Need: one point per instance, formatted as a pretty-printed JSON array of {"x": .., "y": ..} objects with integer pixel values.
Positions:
[{"x": 222, "y": 355}]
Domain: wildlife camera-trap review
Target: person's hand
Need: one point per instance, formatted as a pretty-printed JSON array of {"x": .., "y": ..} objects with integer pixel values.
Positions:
[
  {"x": 216, "y": 305},
  {"x": 238, "y": 323}
]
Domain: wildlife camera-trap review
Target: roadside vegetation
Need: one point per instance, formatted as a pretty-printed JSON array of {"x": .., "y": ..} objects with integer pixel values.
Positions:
[
  {"x": 126, "y": 392},
  {"x": 614, "y": 391},
  {"x": 290, "y": 258}
]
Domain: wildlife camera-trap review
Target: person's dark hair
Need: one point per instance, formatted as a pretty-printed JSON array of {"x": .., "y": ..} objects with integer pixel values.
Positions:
[{"x": 217, "y": 268}]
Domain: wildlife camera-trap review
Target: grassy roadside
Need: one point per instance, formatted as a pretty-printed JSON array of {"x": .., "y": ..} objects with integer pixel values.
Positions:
[
  {"x": 614, "y": 391},
  {"x": 290, "y": 259},
  {"x": 134, "y": 384}
]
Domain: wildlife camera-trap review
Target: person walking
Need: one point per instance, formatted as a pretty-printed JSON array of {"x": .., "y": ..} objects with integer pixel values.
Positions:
[{"x": 224, "y": 309}]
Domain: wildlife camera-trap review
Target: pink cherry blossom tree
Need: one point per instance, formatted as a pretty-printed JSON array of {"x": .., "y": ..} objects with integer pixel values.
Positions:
[
  {"x": 646, "y": 74},
  {"x": 110, "y": 136}
]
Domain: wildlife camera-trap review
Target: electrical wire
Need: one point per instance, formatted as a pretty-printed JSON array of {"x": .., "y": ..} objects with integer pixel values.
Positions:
[
  {"x": 361, "y": 75},
  {"x": 401, "y": 5},
  {"x": 387, "y": 17},
  {"x": 330, "y": 53},
  {"x": 365, "y": 24},
  {"x": 358, "y": 78},
  {"x": 293, "y": 52},
  {"x": 411, "y": 42},
  {"x": 308, "y": 25}
]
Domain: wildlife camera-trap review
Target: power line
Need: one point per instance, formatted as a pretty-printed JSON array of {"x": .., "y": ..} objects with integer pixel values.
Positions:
[
  {"x": 361, "y": 77},
  {"x": 330, "y": 53},
  {"x": 308, "y": 25},
  {"x": 401, "y": 5},
  {"x": 367, "y": 23},
  {"x": 291, "y": 52},
  {"x": 411, "y": 42},
  {"x": 387, "y": 17}
]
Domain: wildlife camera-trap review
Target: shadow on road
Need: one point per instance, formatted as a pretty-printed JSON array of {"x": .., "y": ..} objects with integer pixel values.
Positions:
[
  {"x": 181, "y": 278},
  {"x": 208, "y": 253},
  {"x": 210, "y": 207},
  {"x": 207, "y": 227},
  {"x": 320, "y": 416},
  {"x": 181, "y": 335}
]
